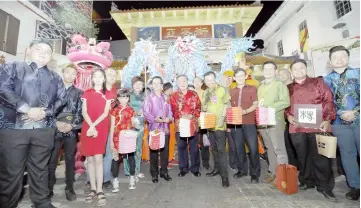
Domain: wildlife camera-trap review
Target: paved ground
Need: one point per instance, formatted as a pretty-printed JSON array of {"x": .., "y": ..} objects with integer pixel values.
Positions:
[{"x": 203, "y": 192}]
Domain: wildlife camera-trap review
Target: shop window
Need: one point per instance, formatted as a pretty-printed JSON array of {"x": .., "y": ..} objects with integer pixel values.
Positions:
[{"x": 342, "y": 7}]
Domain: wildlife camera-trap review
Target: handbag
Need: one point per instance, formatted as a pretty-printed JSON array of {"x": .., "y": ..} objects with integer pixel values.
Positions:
[
  {"x": 127, "y": 141},
  {"x": 156, "y": 139},
  {"x": 286, "y": 179},
  {"x": 65, "y": 117},
  {"x": 326, "y": 145},
  {"x": 206, "y": 142}
]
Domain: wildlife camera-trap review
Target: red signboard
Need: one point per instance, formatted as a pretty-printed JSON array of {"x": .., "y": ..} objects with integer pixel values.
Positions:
[{"x": 200, "y": 31}]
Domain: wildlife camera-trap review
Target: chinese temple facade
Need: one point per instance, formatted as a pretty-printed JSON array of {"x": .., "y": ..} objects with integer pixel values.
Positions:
[{"x": 214, "y": 26}]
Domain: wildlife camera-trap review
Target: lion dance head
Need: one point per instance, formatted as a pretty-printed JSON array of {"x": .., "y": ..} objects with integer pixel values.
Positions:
[{"x": 88, "y": 56}]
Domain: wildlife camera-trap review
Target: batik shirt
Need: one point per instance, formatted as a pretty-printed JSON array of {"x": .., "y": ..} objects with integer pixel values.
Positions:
[
  {"x": 72, "y": 111},
  {"x": 346, "y": 93},
  {"x": 7, "y": 114},
  {"x": 25, "y": 86}
]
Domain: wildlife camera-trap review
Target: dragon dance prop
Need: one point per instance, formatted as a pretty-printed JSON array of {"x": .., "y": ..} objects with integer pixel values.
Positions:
[
  {"x": 185, "y": 57},
  {"x": 237, "y": 46},
  {"x": 87, "y": 56},
  {"x": 144, "y": 58}
]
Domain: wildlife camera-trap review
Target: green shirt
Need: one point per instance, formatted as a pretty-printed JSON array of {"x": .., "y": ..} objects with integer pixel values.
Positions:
[
  {"x": 275, "y": 95},
  {"x": 216, "y": 101}
]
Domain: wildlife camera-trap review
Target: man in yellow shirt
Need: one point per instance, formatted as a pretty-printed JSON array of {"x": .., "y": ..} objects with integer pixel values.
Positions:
[{"x": 216, "y": 100}]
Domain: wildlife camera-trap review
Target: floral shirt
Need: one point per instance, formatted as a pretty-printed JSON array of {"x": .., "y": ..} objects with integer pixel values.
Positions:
[
  {"x": 185, "y": 104},
  {"x": 346, "y": 93},
  {"x": 123, "y": 121}
]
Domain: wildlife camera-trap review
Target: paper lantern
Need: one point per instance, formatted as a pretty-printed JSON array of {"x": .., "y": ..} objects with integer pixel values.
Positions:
[
  {"x": 265, "y": 116},
  {"x": 186, "y": 127},
  {"x": 207, "y": 120},
  {"x": 156, "y": 140},
  {"x": 127, "y": 141},
  {"x": 234, "y": 115}
]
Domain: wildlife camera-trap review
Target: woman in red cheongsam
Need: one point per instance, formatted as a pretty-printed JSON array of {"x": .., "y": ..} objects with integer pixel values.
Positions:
[{"x": 95, "y": 129}]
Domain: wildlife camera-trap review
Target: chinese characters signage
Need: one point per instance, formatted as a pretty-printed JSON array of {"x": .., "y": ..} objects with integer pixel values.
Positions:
[
  {"x": 308, "y": 115},
  {"x": 200, "y": 31},
  {"x": 149, "y": 32},
  {"x": 224, "y": 31}
]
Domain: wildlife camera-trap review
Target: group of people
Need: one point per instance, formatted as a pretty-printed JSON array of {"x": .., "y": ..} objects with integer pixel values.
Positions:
[{"x": 40, "y": 112}]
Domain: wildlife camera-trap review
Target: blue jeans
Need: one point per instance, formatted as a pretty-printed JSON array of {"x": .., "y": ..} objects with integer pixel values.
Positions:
[
  {"x": 348, "y": 140},
  {"x": 247, "y": 133},
  {"x": 182, "y": 145},
  {"x": 107, "y": 164}
]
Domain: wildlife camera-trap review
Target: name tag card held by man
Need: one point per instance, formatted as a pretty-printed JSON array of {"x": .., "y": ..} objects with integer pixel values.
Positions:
[
  {"x": 326, "y": 145},
  {"x": 308, "y": 115}
]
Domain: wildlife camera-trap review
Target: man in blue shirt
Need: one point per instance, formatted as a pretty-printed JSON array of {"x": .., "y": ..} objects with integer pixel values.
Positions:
[
  {"x": 34, "y": 93},
  {"x": 344, "y": 82}
]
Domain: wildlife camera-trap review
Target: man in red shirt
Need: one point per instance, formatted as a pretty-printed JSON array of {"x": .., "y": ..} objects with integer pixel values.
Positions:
[
  {"x": 245, "y": 96},
  {"x": 186, "y": 104},
  {"x": 314, "y": 169}
]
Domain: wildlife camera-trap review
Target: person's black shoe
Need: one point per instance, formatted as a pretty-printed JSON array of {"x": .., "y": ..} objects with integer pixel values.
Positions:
[
  {"x": 254, "y": 179},
  {"x": 304, "y": 187},
  {"x": 51, "y": 194},
  {"x": 225, "y": 182},
  {"x": 354, "y": 194},
  {"x": 213, "y": 173},
  {"x": 329, "y": 195},
  {"x": 108, "y": 186},
  {"x": 182, "y": 173},
  {"x": 155, "y": 179},
  {"x": 206, "y": 166},
  {"x": 197, "y": 174},
  {"x": 166, "y": 177},
  {"x": 239, "y": 175},
  {"x": 51, "y": 206},
  {"x": 70, "y": 195}
]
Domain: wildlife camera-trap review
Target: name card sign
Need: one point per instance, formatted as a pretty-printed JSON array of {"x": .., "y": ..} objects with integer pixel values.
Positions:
[{"x": 308, "y": 115}]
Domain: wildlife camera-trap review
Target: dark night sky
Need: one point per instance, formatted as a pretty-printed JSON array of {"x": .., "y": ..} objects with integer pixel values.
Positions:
[{"x": 109, "y": 29}]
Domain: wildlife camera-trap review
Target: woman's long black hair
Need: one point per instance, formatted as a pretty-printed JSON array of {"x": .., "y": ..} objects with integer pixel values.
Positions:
[{"x": 104, "y": 85}]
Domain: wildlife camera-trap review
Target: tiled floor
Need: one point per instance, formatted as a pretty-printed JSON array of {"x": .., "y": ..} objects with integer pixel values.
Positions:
[{"x": 202, "y": 192}]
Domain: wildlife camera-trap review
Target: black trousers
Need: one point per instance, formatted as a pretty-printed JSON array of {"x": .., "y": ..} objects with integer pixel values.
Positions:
[
  {"x": 164, "y": 156},
  {"x": 29, "y": 148},
  {"x": 247, "y": 133},
  {"x": 131, "y": 161},
  {"x": 182, "y": 145},
  {"x": 291, "y": 152},
  {"x": 232, "y": 153},
  {"x": 69, "y": 154},
  {"x": 218, "y": 148},
  {"x": 204, "y": 150},
  {"x": 314, "y": 169}
]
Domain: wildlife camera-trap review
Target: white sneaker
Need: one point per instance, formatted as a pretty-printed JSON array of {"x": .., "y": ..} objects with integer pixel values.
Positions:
[
  {"x": 115, "y": 185},
  {"x": 132, "y": 182},
  {"x": 140, "y": 175},
  {"x": 136, "y": 179}
]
